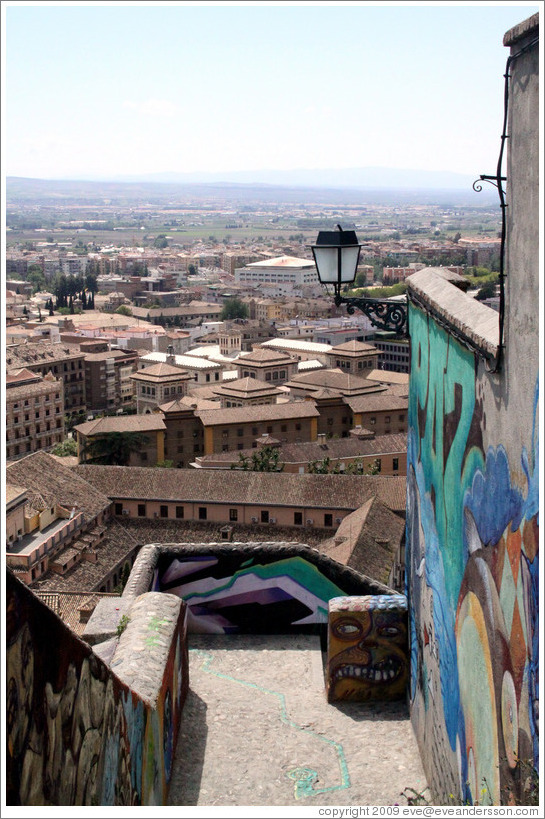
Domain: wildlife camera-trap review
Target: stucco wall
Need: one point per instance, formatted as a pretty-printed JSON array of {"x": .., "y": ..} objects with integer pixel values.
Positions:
[{"x": 472, "y": 517}]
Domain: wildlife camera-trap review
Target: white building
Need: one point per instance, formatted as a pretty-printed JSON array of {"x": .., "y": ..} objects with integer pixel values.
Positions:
[{"x": 285, "y": 272}]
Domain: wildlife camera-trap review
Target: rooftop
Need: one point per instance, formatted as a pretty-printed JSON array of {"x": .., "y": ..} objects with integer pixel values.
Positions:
[
  {"x": 263, "y": 488},
  {"x": 284, "y": 261},
  {"x": 259, "y": 412}
]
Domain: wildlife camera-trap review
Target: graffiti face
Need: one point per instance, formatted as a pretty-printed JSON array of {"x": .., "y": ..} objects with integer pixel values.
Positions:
[{"x": 367, "y": 655}]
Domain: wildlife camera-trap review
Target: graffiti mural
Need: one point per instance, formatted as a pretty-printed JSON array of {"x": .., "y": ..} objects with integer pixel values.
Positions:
[
  {"x": 472, "y": 547},
  {"x": 367, "y": 648},
  {"x": 76, "y": 735},
  {"x": 232, "y": 593}
]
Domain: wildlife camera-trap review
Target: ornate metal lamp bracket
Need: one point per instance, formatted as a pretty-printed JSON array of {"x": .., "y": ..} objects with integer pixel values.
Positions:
[{"x": 386, "y": 315}]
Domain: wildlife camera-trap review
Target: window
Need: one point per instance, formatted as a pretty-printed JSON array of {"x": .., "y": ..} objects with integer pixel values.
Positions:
[
  {"x": 328, "y": 520},
  {"x": 298, "y": 426},
  {"x": 264, "y": 516},
  {"x": 163, "y": 511},
  {"x": 141, "y": 510},
  {"x": 254, "y": 431},
  {"x": 298, "y": 518},
  {"x": 144, "y": 456},
  {"x": 240, "y": 432},
  {"x": 282, "y": 373},
  {"x": 378, "y": 464},
  {"x": 395, "y": 463},
  {"x": 402, "y": 416},
  {"x": 267, "y": 376},
  {"x": 269, "y": 429},
  {"x": 387, "y": 419},
  {"x": 372, "y": 420},
  {"x": 284, "y": 428},
  {"x": 179, "y": 511},
  {"x": 180, "y": 448},
  {"x": 118, "y": 508},
  {"x": 202, "y": 513},
  {"x": 240, "y": 446},
  {"x": 233, "y": 514}
]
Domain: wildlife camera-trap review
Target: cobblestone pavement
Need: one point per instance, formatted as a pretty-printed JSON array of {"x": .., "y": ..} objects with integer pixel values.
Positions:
[{"x": 257, "y": 730}]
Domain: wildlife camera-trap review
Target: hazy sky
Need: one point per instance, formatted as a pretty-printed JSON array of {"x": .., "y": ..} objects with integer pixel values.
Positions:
[{"x": 96, "y": 88}]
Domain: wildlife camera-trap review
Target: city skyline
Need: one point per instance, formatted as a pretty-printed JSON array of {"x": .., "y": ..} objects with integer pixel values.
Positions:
[{"x": 106, "y": 90}]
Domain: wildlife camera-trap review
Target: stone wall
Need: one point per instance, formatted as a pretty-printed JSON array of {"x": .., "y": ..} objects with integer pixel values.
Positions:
[
  {"x": 81, "y": 732},
  {"x": 472, "y": 511}
]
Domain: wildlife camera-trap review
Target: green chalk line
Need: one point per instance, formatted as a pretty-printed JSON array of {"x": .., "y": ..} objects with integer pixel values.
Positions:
[{"x": 301, "y": 789}]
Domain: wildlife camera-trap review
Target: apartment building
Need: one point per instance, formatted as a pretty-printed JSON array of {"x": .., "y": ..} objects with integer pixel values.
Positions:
[
  {"x": 34, "y": 412},
  {"x": 62, "y": 360},
  {"x": 394, "y": 353},
  {"x": 108, "y": 383}
]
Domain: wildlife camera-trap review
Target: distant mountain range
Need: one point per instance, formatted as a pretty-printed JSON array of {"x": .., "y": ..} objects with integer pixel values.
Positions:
[
  {"x": 345, "y": 178},
  {"x": 359, "y": 186}
]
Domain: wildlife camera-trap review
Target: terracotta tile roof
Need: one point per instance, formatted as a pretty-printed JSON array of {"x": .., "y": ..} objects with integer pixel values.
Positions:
[
  {"x": 377, "y": 402},
  {"x": 388, "y": 377},
  {"x": 56, "y": 483},
  {"x": 160, "y": 371},
  {"x": 247, "y": 386},
  {"x": 13, "y": 491},
  {"x": 86, "y": 576},
  {"x": 40, "y": 352},
  {"x": 41, "y": 387},
  {"x": 355, "y": 347},
  {"x": 262, "y": 355},
  {"x": 367, "y": 540},
  {"x": 22, "y": 374},
  {"x": 302, "y": 453},
  {"x": 261, "y": 412},
  {"x": 335, "y": 379},
  {"x": 274, "y": 489},
  {"x": 150, "y": 422}
]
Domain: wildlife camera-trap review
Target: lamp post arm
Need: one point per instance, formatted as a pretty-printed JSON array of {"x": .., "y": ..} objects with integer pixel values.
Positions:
[{"x": 384, "y": 314}]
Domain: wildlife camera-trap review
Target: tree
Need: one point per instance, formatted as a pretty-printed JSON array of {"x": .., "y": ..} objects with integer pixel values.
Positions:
[
  {"x": 114, "y": 448},
  {"x": 65, "y": 448},
  {"x": 486, "y": 291},
  {"x": 35, "y": 275},
  {"x": 165, "y": 464},
  {"x": 123, "y": 310},
  {"x": 191, "y": 270},
  {"x": 266, "y": 459},
  {"x": 161, "y": 241},
  {"x": 233, "y": 309}
]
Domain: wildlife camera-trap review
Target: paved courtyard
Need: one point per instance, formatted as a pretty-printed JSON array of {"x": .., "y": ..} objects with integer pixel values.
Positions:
[{"x": 257, "y": 730}]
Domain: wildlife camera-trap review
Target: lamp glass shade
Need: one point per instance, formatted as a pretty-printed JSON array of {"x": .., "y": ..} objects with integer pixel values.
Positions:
[
  {"x": 349, "y": 262},
  {"x": 327, "y": 263}
]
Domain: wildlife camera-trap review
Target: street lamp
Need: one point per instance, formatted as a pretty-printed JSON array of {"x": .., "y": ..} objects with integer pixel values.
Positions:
[{"x": 336, "y": 255}]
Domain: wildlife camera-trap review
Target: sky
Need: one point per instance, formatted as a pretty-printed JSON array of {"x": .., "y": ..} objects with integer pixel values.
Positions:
[{"x": 106, "y": 89}]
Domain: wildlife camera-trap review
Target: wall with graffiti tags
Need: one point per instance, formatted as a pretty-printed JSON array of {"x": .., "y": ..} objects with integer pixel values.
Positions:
[
  {"x": 367, "y": 656},
  {"x": 248, "y": 587},
  {"x": 76, "y": 733},
  {"x": 472, "y": 507}
]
